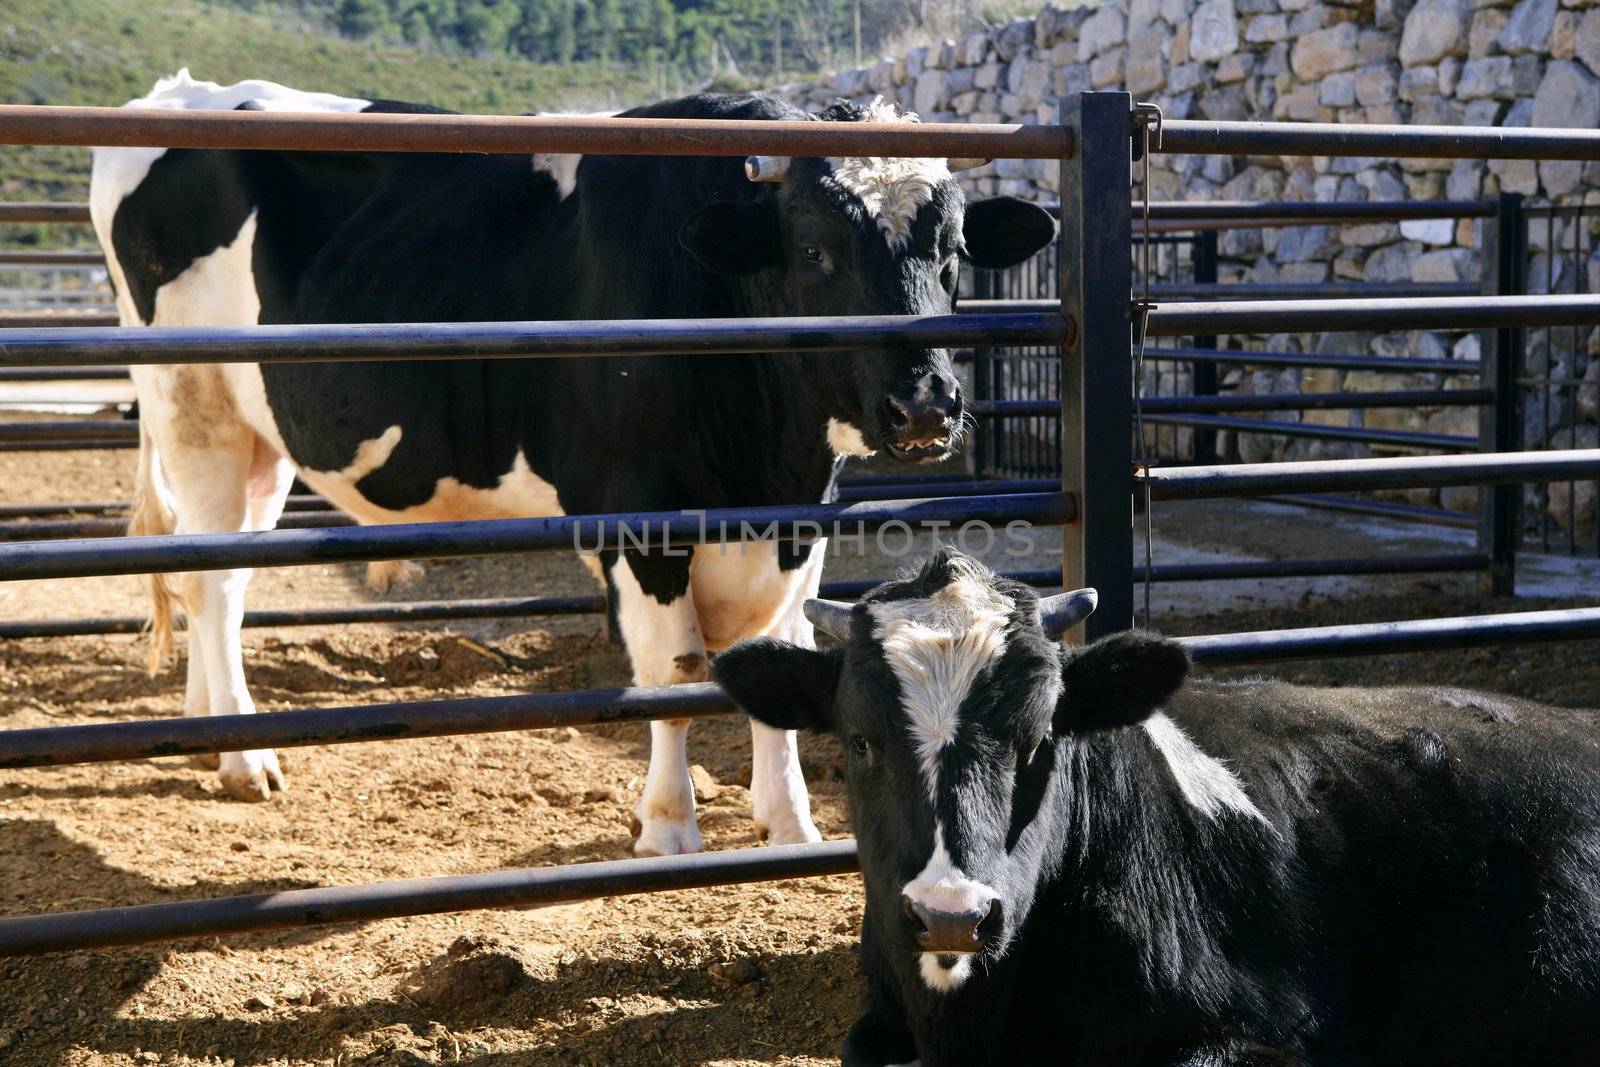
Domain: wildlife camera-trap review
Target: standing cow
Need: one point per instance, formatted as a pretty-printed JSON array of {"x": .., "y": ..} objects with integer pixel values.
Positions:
[
  {"x": 231, "y": 237},
  {"x": 1073, "y": 857}
]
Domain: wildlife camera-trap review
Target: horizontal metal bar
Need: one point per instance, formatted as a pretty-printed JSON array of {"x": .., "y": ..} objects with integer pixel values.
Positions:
[
  {"x": 1362, "y": 211},
  {"x": 51, "y": 258},
  {"x": 100, "y": 527},
  {"x": 70, "y": 429},
  {"x": 65, "y": 319},
  {"x": 299, "y": 502},
  {"x": 56, "y": 746},
  {"x": 518, "y": 888},
  {"x": 848, "y": 589},
  {"x": 1401, "y": 472},
  {"x": 63, "y": 374},
  {"x": 1317, "y": 431},
  {"x": 340, "y": 615},
  {"x": 1402, "y": 398},
  {"x": 1384, "y": 508},
  {"x": 1204, "y": 137},
  {"x": 1422, "y": 635},
  {"x": 1405, "y": 313},
  {"x": 1314, "y": 568},
  {"x": 397, "y": 612},
  {"x": 410, "y": 611},
  {"x": 387, "y": 132},
  {"x": 274, "y": 548},
  {"x": 519, "y": 340},
  {"x": 1316, "y": 291},
  {"x": 85, "y": 445},
  {"x": 1443, "y": 398},
  {"x": 43, "y": 211},
  {"x": 915, "y": 487},
  {"x": 1389, "y": 364},
  {"x": 1229, "y": 214}
]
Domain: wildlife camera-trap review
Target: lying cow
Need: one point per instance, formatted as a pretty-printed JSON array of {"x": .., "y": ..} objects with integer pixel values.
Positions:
[
  {"x": 1073, "y": 857},
  {"x": 229, "y": 238}
]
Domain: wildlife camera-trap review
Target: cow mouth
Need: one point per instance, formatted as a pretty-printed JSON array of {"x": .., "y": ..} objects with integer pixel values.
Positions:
[{"x": 921, "y": 451}]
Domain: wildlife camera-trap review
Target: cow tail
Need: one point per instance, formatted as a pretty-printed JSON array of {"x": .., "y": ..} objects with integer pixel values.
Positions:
[{"x": 151, "y": 516}]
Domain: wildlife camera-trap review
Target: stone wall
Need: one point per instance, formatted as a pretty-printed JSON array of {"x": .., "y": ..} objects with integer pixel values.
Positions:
[{"x": 1448, "y": 62}]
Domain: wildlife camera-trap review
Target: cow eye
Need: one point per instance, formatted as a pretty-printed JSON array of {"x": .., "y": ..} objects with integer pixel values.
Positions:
[
  {"x": 812, "y": 253},
  {"x": 861, "y": 745}
]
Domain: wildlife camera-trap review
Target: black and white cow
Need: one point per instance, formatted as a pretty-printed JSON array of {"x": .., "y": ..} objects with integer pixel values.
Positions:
[
  {"x": 1072, "y": 856},
  {"x": 226, "y": 237}
]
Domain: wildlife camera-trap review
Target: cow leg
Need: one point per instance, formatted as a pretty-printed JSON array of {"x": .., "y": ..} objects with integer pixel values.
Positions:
[
  {"x": 210, "y": 472},
  {"x": 779, "y": 802},
  {"x": 656, "y": 618},
  {"x": 269, "y": 481}
]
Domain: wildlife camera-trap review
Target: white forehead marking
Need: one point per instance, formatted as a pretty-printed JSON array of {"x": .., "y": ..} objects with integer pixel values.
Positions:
[
  {"x": 1203, "y": 780},
  {"x": 892, "y": 190},
  {"x": 943, "y": 886},
  {"x": 937, "y": 647}
]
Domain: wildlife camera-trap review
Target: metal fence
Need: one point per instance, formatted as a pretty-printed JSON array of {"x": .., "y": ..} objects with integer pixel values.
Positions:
[{"x": 1091, "y": 323}]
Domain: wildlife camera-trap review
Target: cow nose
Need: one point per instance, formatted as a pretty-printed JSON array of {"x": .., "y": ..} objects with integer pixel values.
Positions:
[
  {"x": 925, "y": 421},
  {"x": 950, "y": 931}
]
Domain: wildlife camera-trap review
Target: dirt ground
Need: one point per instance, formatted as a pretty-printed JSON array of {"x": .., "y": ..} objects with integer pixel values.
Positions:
[{"x": 760, "y": 974}]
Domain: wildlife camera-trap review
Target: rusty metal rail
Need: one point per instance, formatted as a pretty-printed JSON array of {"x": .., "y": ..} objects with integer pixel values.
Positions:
[{"x": 286, "y": 131}]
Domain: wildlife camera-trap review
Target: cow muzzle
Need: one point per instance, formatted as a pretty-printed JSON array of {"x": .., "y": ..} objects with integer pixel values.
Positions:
[
  {"x": 952, "y": 932},
  {"x": 923, "y": 428}
]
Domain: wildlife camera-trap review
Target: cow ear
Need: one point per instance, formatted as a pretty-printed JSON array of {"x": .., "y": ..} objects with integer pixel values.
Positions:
[
  {"x": 782, "y": 685},
  {"x": 1118, "y": 681},
  {"x": 1004, "y": 231},
  {"x": 730, "y": 237}
]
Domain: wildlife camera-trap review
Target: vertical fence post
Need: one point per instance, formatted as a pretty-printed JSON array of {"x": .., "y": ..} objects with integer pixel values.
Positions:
[
  {"x": 1096, "y": 276},
  {"x": 1500, "y": 425},
  {"x": 1205, "y": 374}
]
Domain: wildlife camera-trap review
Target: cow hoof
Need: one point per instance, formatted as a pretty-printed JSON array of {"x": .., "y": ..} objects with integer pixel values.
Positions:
[
  {"x": 386, "y": 574},
  {"x": 668, "y": 839},
  {"x": 209, "y": 761},
  {"x": 791, "y": 833},
  {"x": 252, "y": 775}
]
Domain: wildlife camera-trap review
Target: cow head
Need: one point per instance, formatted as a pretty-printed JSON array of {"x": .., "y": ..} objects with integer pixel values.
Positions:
[
  {"x": 867, "y": 236},
  {"x": 953, "y": 701}
]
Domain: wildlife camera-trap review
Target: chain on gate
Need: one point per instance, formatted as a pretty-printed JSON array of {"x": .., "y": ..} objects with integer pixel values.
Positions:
[{"x": 1147, "y": 117}]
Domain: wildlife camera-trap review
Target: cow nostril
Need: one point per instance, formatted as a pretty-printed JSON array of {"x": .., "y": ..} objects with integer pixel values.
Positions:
[
  {"x": 989, "y": 925},
  {"x": 953, "y": 409},
  {"x": 918, "y": 925},
  {"x": 896, "y": 413}
]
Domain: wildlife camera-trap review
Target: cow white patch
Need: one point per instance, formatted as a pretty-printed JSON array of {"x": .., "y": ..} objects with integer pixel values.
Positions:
[
  {"x": 942, "y": 886},
  {"x": 940, "y": 978},
  {"x": 117, "y": 172},
  {"x": 563, "y": 166},
  {"x": 937, "y": 647},
  {"x": 846, "y": 440},
  {"x": 373, "y": 453},
  {"x": 215, "y": 290},
  {"x": 1204, "y": 781},
  {"x": 892, "y": 190}
]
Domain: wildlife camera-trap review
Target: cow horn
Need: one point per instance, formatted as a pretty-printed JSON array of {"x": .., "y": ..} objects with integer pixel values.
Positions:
[
  {"x": 957, "y": 165},
  {"x": 766, "y": 168},
  {"x": 830, "y": 616},
  {"x": 1060, "y": 613}
]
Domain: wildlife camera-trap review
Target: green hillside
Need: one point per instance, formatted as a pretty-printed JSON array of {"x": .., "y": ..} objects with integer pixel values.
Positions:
[{"x": 110, "y": 51}]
